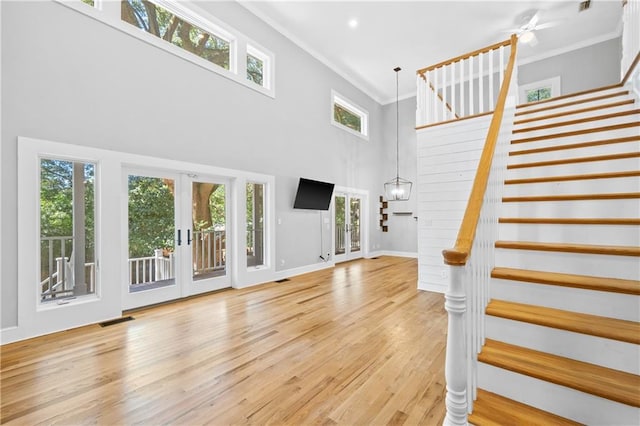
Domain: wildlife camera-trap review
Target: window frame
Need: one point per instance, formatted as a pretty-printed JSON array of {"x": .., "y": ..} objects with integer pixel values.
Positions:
[
  {"x": 258, "y": 53},
  {"x": 352, "y": 107},
  {"x": 552, "y": 83},
  {"x": 108, "y": 12},
  {"x": 265, "y": 225}
]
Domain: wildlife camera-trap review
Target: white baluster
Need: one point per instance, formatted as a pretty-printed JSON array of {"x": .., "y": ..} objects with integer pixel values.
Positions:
[
  {"x": 455, "y": 364},
  {"x": 435, "y": 95},
  {"x": 480, "y": 84},
  {"x": 501, "y": 65},
  {"x": 471, "y": 85},
  {"x": 491, "y": 93},
  {"x": 462, "y": 100},
  {"x": 444, "y": 93},
  {"x": 453, "y": 91}
]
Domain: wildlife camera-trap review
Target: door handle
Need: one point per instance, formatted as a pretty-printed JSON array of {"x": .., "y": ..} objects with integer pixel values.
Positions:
[
  {"x": 188, "y": 237},
  {"x": 179, "y": 237}
]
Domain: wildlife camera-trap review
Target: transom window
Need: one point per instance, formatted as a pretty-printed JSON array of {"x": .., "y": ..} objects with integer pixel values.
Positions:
[
  {"x": 539, "y": 90},
  {"x": 349, "y": 116}
]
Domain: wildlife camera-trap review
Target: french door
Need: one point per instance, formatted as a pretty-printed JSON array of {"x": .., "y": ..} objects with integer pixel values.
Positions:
[
  {"x": 177, "y": 242},
  {"x": 347, "y": 225}
]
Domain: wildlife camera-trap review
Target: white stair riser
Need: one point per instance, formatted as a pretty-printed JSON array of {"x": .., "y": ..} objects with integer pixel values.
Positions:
[
  {"x": 565, "y": 402},
  {"x": 614, "y": 148},
  {"x": 625, "y": 267},
  {"x": 573, "y": 209},
  {"x": 625, "y": 235},
  {"x": 601, "y": 303},
  {"x": 562, "y": 140},
  {"x": 581, "y": 347},
  {"x": 575, "y": 116},
  {"x": 585, "y": 186},
  {"x": 579, "y": 126},
  {"x": 584, "y": 97},
  {"x": 585, "y": 168},
  {"x": 561, "y": 109}
]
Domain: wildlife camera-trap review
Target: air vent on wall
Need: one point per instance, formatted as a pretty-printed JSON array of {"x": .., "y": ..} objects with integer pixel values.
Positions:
[{"x": 584, "y": 5}]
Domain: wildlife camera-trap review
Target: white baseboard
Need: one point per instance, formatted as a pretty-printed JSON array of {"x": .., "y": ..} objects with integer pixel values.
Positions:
[
  {"x": 288, "y": 273},
  {"x": 9, "y": 335},
  {"x": 409, "y": 254},
  {"x": 432, "y": 287}
]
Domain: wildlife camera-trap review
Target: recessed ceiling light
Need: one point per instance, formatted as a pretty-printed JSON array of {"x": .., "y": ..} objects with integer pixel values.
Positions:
[{"x": 353, "y": 23}]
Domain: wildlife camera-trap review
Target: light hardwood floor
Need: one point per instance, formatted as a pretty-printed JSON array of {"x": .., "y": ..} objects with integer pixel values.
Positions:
[{"x": 352, "y": 345}]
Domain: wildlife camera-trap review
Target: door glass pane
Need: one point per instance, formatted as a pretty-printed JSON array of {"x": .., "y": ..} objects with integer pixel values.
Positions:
[
  {"x": 354, "y": 216},
  {"x": 151, "y": 214},
  {"x": 255, "y": 224},
  {"x": 67, "y": 229},
  {"x": 340, "y": 223},
  {"x": 208, "y": 248}
]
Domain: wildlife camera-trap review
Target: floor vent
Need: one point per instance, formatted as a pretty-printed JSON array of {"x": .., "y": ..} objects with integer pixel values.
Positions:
[
  {"x": 282, "y": 280},
  {"x": 116, "y": 321},
  {"x": 374, "y": 258}
]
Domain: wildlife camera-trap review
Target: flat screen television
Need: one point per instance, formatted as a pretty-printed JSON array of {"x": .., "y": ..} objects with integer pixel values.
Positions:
[{"x": 313, "y": 195}]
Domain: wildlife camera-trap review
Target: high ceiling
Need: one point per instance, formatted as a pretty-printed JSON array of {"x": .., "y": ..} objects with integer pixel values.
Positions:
[{"x": 415, "y": 34}]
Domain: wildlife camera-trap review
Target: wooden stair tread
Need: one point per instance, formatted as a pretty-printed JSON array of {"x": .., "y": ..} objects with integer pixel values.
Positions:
[
  {"x": 570, "y": 248},
  {"x": 490, "y": 409},
  {"x": 609, "y": 175},
  {"x": 576, "y": 145},
  {"x": 575, "y": 111},
  {"x": 571, "y": 103},
  {"x": 593, "y": 158},
  {"x": 577, "y": 132},
  {"x": 573, "y": 197},
  {"x": 571, "y": 221},
  {"x": 578, "y": 121},
  {"x": 593, "y": 325},
  {"x": 594, "y": 379},
  {"x": 613, "y": 285},
  {"x": 570, "y": 95}
]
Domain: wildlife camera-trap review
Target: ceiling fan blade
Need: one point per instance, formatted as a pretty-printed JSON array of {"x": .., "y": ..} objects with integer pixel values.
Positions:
[
  {"x": 548, "y": 25},
  {"x": 533, "y": 21}
]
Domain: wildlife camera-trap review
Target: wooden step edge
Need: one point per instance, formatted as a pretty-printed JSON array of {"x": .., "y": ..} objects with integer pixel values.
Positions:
[
  {"x": 577, "y": 132},
  {"x": 571, "y": 221},
  {"x": 578, "y": 121},
  {"x": 565, "y": 178},
  {"x": 570, "y": 95},
  {"x": 586, "y": 282},
  {"x": 492, "y": 409},
  {"x": 576, "y": 322},
  {"x": 620, "y": 156},
  {"x": 604, "y": 382},
  {"x": 575, "y": 111},
  {"x": 576, "y": 145},
  {"x": 572, "y": 197},
  {"x": 572, "y": 103},
  {"x": 570, "y": 248}
]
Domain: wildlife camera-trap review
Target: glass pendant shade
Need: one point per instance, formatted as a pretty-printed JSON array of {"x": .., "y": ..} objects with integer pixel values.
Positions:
[{"x": 398, "y": 189}]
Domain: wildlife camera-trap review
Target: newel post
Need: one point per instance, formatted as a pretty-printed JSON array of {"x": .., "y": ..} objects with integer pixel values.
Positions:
[{"x": 456, "y": 362}]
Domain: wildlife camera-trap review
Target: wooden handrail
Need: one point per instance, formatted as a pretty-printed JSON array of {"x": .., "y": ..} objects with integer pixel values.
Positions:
[
  {"x": 634, "y": 64},
  {"x": 466, "y": 55},
  {"x": 459, "y": 254}
]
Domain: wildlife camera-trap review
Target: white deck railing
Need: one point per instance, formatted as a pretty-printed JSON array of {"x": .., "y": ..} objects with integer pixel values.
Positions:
[{"x": 462, "y": 87}]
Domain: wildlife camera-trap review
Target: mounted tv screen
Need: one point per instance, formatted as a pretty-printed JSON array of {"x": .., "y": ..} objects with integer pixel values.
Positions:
[{"x": 313, "y": 195}]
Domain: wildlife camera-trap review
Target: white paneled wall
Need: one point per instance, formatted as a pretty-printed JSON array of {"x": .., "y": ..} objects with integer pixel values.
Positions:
[{"x": 448, "y": 157}]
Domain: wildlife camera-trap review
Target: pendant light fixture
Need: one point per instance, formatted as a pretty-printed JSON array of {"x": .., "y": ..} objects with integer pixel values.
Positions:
[{"x": 397, "y": 189}]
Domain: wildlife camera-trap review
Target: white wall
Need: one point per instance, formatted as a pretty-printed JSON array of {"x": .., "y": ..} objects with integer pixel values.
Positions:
[
  {"x": 402, "y": 237},
  {"x": 72, "y": 79}
]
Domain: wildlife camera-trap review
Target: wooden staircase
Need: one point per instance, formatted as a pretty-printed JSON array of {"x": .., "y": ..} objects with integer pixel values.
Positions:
[{"x": 563, "y": 323}]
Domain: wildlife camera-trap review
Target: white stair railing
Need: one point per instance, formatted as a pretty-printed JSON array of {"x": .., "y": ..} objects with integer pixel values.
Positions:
[
  {"x": 471, "y": 259},
  {"x": 461, "y": 87}
]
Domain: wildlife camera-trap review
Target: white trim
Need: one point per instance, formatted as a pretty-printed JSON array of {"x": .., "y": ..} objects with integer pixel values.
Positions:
[
  {"x": 554, "y": 83},
  {"x": 355, "y": 82},
  {"x": 434, "y": 288},
  {"x": 408, "y": 254},
  {"x": 566, "y": 49},
  {"x": 1, "y": 144},
  {"x": 238, "y": 41},
  {"x": 293, "y": 272},
  {"x": 355, "y": 109}
]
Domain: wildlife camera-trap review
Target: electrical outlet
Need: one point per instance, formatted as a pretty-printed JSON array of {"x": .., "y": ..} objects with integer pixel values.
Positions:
[{"x": 444, "y": 273}]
